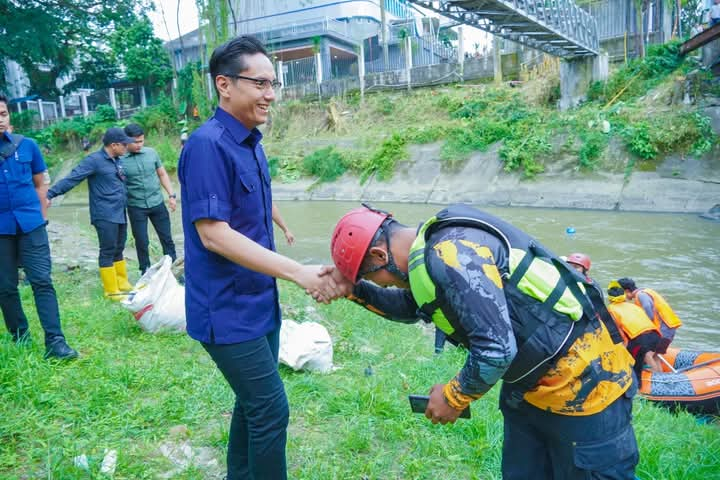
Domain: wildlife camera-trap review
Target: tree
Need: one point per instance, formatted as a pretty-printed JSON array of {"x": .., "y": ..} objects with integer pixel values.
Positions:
[
  {"x": 691, "y": 15},
  {"x": 142, "y": 53},
  {"x": 46, "y": 37},
  {"x": 641, "y": 6},
  {"x": 95, "y": 68}
]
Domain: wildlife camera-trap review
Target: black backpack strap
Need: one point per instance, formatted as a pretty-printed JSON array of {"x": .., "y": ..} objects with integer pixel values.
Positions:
[
  {"x": 592, "y": 303},
  {"x": 7, "y": 149}
]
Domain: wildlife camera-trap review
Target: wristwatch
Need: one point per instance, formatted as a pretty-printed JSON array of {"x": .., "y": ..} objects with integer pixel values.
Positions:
[{"x": 172, "y": 196}]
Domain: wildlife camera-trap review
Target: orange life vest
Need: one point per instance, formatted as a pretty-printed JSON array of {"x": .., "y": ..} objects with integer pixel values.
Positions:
[
  {"x": 631, "y": 320},
  {"x": 661, "y": 310}
]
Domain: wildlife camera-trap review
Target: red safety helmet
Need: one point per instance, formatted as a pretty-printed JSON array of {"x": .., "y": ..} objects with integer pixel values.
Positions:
[
  {"x": 580, "y": 259},
  {"x": 351, "y": 239}
]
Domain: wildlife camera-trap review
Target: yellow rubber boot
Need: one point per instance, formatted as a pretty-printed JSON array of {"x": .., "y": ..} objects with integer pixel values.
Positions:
[
  {"x": 110, "y": 284},
  {"x": 122, "y": 277}
]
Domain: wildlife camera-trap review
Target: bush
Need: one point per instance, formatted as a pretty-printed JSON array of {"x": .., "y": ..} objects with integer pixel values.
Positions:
[
  {"x": 168, "y": 148},
  {"x": 638, "y": 141},
  {"x": 593, "y": 146},
  {"x": 24, "y": 121},
  {"x": 327, "y": 164},
  {"x": 104, "y": 113},
  {"x": 424, "y": 135},
  {"x": 383, "y": 162},
  {"x": 477, "y": 136},
  {"x": 522, "y": 152},
  {"x": 160, "y": 118}
]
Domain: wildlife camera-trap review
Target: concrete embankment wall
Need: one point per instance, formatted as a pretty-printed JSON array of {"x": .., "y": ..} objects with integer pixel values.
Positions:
[{"x": 679, "y": 185}]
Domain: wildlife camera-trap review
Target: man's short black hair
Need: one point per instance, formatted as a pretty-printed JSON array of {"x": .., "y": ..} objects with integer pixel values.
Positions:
[
  {"x": 3, "y": 99},
  {"x": 229, "y": 58},
  {"x": 627, "y": 283},
  {"x": 134, "y": 130}
]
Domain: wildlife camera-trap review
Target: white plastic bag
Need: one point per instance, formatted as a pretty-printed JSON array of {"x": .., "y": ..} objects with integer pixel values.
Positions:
[
  {"x": 158, "y": 300},
  {"x": 306, "y": 346}
]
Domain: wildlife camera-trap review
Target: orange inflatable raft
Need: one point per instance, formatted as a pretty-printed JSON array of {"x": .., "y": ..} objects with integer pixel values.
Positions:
[{"x": 694, "y": 386}]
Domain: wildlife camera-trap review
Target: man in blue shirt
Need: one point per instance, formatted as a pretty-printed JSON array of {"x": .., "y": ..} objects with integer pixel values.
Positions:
[
  {"x": 231, "y": 297},
  {"x": 108, "y": 199},
  {"x": 23, "y": 238}
]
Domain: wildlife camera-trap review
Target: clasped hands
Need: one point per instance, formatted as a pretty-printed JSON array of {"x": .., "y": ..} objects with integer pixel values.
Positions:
[{"x": 324, "y": 283}]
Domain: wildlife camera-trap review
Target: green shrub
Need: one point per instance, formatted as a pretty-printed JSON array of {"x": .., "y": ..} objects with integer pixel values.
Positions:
[
  {"x": 24, "y": 121},
  {"x": 104, "y": 113},
  {"x": 522, "y": 152},
  {"x": 383, "y": 161},
  {"x": 638, "y": 141},
  {"x": 422, "y": 135},
  {"x": 273, "y": 166},
  {"x": 593, "y": 145},
  {"x": 160, "y": 118},
  {"x": 327, "y": 164},
  {"x": 169, "y": 150},
  {"x": 477, "y": 136}
]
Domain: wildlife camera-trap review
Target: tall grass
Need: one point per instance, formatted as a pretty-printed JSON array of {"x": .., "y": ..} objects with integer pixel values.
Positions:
[{"x": 129, "y": 389}]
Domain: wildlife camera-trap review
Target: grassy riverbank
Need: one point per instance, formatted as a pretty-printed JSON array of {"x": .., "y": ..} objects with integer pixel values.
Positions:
[{"x": 137, "y": 393}]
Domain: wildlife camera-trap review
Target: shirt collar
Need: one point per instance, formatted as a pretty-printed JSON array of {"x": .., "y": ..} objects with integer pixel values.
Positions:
[
  {"x": 105, "y": 154},
  {"x": 6, "y": 137},
  {"x": 238, "y": 131}
]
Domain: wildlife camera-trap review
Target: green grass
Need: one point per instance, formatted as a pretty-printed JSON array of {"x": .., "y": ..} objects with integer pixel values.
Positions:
[{"x": 130, "y": 388}]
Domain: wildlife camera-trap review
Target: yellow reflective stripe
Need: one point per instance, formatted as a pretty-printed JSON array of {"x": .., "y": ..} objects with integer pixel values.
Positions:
[
  {"x": 421, "y": 281},
  {"x": 539, "y": 282}
]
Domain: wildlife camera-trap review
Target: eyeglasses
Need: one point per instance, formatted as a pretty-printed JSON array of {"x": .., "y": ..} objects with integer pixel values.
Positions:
[{"x": 260, "y": 83}]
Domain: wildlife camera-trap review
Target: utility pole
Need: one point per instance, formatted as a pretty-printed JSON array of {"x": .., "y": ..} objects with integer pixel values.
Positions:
[{"x": 383, "y": 34}]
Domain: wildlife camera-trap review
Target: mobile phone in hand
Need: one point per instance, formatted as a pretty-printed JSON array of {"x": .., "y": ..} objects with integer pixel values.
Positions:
[{"x": 419, "y": 403}]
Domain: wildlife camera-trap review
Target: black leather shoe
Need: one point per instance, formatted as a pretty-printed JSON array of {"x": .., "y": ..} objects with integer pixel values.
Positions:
[{"x": 60, "y": 350}]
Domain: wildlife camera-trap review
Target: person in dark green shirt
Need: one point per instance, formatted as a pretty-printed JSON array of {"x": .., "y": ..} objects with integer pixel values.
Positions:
[{"x": 145, "y": 175}]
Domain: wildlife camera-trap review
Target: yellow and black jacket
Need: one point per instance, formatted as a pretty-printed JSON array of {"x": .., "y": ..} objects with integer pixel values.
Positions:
[{"x": 536, "y": 335}]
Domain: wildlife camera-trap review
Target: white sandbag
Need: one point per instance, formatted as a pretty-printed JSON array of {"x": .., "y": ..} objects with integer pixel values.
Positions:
[
  {"x": 306, "y": 346},
  {"x": 158, "y": 300}
]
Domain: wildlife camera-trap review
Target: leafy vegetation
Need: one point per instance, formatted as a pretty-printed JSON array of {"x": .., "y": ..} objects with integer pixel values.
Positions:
[
  {"x": 327, "y": 164},
  {"x": 135, "y": 392},
  {"x": 47, "y": 38},
  {"x": 382, "y": 163}
]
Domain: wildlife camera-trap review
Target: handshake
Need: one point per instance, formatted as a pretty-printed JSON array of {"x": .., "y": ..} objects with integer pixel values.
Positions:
[{"x": 324, "y": 283}]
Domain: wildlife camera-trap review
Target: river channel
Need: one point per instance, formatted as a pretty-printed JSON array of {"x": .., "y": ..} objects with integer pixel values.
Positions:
[{"x": 676, "y": 254}]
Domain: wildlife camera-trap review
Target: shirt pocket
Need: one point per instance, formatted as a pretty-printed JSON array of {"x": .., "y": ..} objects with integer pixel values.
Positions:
[
  {"x": 23, "y": 171},
  {"x": 247, "y": 195}
]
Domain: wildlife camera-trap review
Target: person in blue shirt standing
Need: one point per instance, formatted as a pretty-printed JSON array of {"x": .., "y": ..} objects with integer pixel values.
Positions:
[
  {"x": 107, "y": 196},
  {"x": 231, "y": 296},
  {"x": 23, "y": 239}
]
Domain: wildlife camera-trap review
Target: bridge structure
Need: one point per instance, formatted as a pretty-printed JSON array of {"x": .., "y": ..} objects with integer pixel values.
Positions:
[{"x": 557, "y": 27}]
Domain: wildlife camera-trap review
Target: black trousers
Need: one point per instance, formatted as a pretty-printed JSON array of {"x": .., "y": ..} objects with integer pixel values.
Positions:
[
  {"x": 112, "y": 237},
  {"x": 540, "y": 445},
  {"x": 32, "y": 251},
  {"x": 160, "y": 218},
  {"x": 258, "y": 429}
]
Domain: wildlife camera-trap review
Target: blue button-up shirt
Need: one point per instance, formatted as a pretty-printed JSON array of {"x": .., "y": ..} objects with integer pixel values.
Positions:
[
  {"x": 107, "y": 194},
  {"x": 19, "y": 203},
  {"x": 224, "y": 176}
]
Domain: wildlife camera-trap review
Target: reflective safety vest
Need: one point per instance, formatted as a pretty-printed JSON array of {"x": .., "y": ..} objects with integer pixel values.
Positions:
[
  {"x": 546, "y": 297},
  {"x": 662, "y": 312},
  {"x": 631, "y": 320}
]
